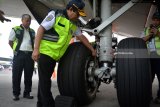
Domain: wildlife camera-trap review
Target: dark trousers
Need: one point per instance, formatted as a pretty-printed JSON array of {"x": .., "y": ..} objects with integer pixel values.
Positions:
[
  {"x": 155, "y": 69},
  {"x": 45, "y": 70},
  {"x": 22, "y": 61}
]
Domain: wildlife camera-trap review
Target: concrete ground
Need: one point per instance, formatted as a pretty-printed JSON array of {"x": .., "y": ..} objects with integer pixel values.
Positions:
[{"x": 105, "y": 98}]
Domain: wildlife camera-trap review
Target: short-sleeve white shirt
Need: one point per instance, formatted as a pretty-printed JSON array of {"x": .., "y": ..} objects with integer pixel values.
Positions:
[
  {"x": 26, "y": 44},
  {"x": 49, "y": 20}
]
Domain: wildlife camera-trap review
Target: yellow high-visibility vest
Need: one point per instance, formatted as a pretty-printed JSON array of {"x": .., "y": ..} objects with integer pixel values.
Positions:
[
  {"x": 156, "y": 39},
  {"x": 56, "y": 44},
  {"x": 19, "y": 32}
]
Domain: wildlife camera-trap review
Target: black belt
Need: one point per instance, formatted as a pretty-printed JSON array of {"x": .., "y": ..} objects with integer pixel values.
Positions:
[{"x": 25, "y": 52}]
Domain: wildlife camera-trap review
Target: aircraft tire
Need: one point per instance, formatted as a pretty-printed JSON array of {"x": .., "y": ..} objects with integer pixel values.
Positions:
[
  {"x": 71, "y": 76},
  {"x": 133, "y": 79}
]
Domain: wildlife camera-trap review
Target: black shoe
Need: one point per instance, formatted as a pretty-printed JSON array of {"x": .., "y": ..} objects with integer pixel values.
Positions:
[
  {"x": 39, "y": 104},
  {"x": 28, "y": 96},
  {"x": 15, "y": 98},
  {"x": 157, "y": 100},
  {"x": 151, "y": 99}
]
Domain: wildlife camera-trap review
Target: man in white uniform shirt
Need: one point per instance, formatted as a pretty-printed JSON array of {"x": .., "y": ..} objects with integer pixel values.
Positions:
[
  {"x": 51, "y": 42},
  {"x": 21, "y": 40}
]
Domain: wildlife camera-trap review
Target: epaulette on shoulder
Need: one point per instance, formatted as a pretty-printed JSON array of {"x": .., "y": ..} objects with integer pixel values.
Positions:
[{"x": 58, "y": 12}]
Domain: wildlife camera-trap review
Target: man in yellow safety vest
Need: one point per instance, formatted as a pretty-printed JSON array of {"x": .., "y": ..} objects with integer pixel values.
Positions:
[{"x": 51, "y": 42}]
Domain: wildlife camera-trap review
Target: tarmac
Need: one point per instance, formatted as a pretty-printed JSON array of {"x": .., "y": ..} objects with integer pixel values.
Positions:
[{"x": 107, "y": 96}]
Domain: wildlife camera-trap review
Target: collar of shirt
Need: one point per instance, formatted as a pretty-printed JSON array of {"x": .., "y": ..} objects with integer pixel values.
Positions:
[
  {"x": 24, "y": 27},
  {"x": 65, "y": 13}
]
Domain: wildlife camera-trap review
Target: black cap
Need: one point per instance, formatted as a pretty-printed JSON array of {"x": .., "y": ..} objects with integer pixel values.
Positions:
[
  {"x": 156, "y": 15},
  {"x": 79, "y": 4}
]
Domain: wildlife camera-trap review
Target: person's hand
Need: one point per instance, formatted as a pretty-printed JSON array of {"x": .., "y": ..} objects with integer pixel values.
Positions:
[
  {"x": 2, "y": 18},
  {"x": 94, "y": 53},
  {"x": 35, "y": 54},
  {"x": 113, "y": 53},
  {"x": 153, "y": 30},
  {"x": 1, "y": 12},
  {"x": 7, "y": 20}
]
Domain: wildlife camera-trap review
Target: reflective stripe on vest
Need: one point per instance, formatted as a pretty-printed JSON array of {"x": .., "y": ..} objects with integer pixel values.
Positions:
[
  {"x": 64, "y": 29},
  {"x": 50, "y": 37},
  {"x": 156, "y": 39}
]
